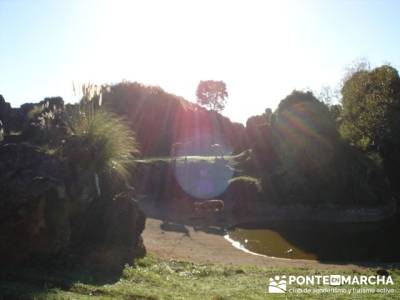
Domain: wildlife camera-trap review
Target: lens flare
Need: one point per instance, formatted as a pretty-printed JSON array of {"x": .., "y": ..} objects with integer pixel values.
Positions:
[{"x": 203, "y": 179}]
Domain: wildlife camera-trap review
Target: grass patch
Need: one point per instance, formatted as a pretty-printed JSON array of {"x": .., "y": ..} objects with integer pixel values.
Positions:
[{"x": 154, "y": 278}]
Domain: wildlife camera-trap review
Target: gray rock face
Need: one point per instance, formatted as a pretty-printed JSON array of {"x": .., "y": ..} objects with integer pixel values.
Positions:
[{"x": 43, "y": 211}]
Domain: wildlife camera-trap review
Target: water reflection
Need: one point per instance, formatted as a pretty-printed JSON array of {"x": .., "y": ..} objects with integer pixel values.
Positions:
[{"x": 356, "y": 242}]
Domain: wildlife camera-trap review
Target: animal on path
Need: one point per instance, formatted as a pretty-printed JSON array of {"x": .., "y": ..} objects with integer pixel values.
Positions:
[{"x": 214, "y": 205}]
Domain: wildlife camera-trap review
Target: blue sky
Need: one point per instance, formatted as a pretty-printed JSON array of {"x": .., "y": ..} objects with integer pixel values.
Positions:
[{"x": 261, "y": 49}]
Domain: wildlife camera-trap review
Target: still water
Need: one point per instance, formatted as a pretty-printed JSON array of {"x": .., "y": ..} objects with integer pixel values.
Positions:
[{"x": 356, "y": 242}]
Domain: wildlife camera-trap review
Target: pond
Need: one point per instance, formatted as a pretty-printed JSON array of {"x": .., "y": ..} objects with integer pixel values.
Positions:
[{"x": 323, "y": 241}]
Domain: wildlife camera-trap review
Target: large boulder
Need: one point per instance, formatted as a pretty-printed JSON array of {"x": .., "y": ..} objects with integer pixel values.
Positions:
[{"x": 110, "y": 235}]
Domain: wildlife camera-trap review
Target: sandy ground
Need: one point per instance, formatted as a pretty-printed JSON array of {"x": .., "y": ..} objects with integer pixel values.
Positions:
[
  {"x": 169, "y": 235},
  {"x": 183, "y": 242}
]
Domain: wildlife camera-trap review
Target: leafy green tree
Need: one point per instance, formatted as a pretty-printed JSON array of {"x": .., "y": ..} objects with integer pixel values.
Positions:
[
  {"x": 371, "y": 108},
  {"x": 371, "y": 117},
  {"x": 304, "y": 108},
  {"x": 212, "y": 94},
  {"x": 295, "y": 98}
]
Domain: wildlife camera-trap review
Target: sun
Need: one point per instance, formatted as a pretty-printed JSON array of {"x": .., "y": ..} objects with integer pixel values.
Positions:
[{"x": 176, "y": 44}]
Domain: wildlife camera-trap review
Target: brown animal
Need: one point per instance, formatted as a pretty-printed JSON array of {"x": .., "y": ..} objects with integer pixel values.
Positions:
[{"x": 213, "y": 205}]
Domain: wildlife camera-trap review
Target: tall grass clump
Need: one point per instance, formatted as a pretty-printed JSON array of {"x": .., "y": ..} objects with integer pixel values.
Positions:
[
  {"x": 101, "y": 143},
  {"x": 108, "y": 140}
]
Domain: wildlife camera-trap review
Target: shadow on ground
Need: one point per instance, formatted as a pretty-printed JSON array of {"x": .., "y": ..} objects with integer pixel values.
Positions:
[
  {"x": 214, "y": 223},
  {"x": 367, "y": 245},
  {"x": 51, "y": 279}
]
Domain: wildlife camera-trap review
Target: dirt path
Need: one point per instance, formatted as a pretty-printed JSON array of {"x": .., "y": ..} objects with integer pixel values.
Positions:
[{"x": 182, "y": 242}]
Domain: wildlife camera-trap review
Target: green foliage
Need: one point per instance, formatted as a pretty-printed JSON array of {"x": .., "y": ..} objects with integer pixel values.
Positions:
[
  {"x": 212, "y": 94},
  {"x": 371, "y": 108},
  {"x": 43, "y": 123},
  {"x": 99, "y": 134},
  {"x": 35, "y": 111},
  {"x": 336, "y": 112},
  {"x": 257, "y": 121},
  {"x": 310, "y": 164},
  {"x": 294, "y": 98},
  {"x": 161, "y": 119},
  {"x": 155, "y": 278},
  {"x": 107, "y": 139},
  {"x": 302, "y": 111}
]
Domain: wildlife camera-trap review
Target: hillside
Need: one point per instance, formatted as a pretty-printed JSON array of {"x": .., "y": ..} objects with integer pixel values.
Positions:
[{"x": 160, "y": 119}]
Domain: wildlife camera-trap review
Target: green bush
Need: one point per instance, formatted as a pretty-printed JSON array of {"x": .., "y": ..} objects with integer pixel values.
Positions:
[
  {"x": 106, "y": 139},
  {"x": 35, "y": 112}
]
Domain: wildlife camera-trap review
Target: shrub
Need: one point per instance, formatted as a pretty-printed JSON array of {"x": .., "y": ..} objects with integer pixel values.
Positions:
[
  {"x": 43, "y": 123},
  {"x": 107, "y": 139},
  {"x": 35, "y": 112}
]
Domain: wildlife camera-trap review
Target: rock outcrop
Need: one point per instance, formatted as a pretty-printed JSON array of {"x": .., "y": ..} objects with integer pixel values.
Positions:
[{"x": 43, "y": 212}]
